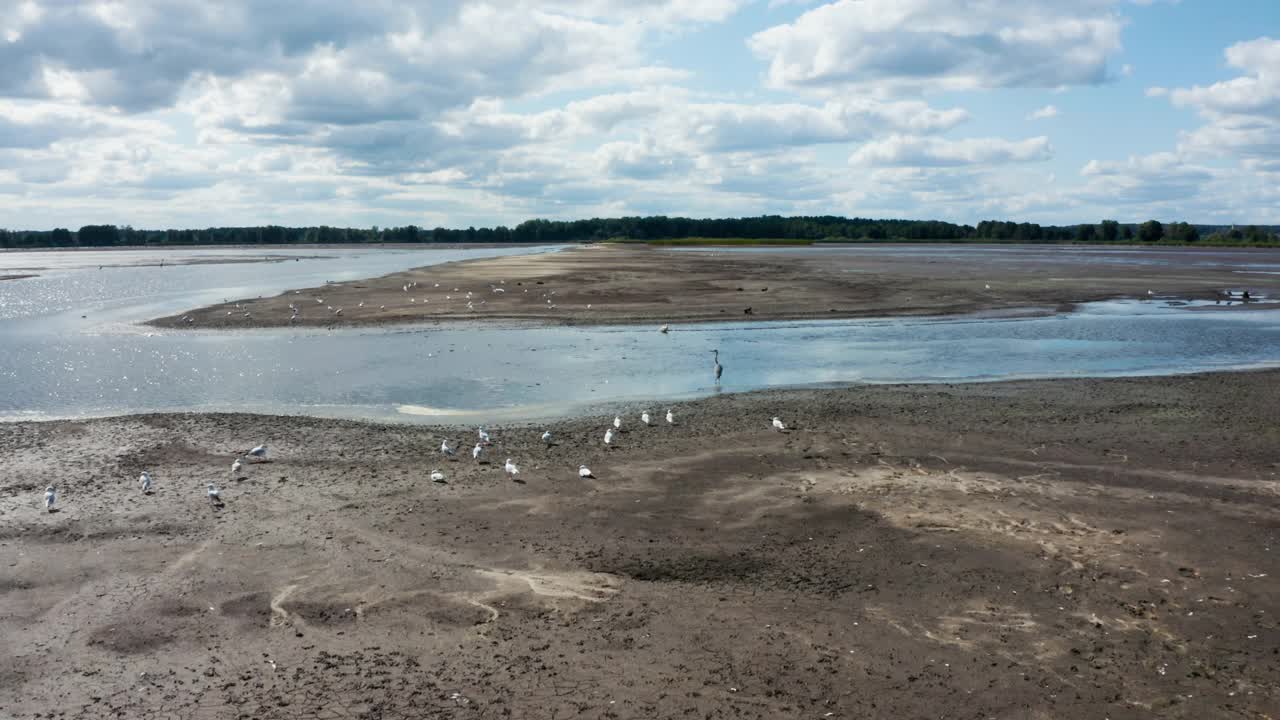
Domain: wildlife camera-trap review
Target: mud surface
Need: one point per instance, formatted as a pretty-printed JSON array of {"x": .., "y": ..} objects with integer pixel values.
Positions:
[
  {"x": 1068, "y": 549},
  {"x": 614, "y": 284}
]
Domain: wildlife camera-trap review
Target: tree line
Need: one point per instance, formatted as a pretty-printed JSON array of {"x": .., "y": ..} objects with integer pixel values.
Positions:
[{"x": 824, "y": 228}]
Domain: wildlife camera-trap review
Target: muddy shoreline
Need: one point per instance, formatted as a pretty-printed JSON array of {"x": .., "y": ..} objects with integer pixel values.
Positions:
[
  {"x": 1041, "y": 549},
  {"x": 597, "y": 285}
]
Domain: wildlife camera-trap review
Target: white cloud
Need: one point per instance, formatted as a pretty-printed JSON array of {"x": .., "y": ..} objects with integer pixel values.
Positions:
[
  {"x": 1242, "y": 114},
  {"x": 900, "y": 150},
  {"x": 909, "y": 45},
  {"x": 1044, "y": 113}
]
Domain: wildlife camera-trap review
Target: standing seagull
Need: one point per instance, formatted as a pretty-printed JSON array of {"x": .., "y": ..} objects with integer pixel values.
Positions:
[
  {"x": 50, "y": 497},
  {"x": 546, "y": 438},
  {"x": 511, "y": 469},
  {"x": 145, "y": 481},
  {"x": 259, "y": 452},
  {"x": 671, "y": 419},
  {"x": 444, "y": 448},
  {"x": 484, "y": 436},
  {"x": 235, "y": 467},
  {"x": 617, "y": 423},
  {"x": 719, "y": 368},
  {"x": 777, "y": 425},
  {"x": 644, "y": 417},
  {"x": 584, "y": 472},
  {"x": 213, "y": 494},
  {"x": 664, "y": 330},
  {"x": 608, "y": 437},
  {"x": 475, "y": 452}
]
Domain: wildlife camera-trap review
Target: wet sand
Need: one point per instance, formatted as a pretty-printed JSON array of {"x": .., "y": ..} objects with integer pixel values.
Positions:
[
  {"x": 1064, "y": 549},
  {"x": 638, "y": 284}
]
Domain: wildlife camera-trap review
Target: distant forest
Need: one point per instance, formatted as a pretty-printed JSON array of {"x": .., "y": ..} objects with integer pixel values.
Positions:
[{"x": 816, "y": 229}]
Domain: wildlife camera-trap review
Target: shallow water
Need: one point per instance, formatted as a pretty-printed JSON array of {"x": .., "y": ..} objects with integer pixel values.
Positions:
[{"x": 56, "y": 363}]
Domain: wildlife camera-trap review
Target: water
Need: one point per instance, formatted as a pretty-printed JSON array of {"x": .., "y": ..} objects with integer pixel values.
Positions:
[{"x": 55, "y": 363}]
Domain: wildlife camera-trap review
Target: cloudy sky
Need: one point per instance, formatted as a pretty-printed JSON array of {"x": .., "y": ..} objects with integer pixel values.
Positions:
[{"x": 193, "y": 113}]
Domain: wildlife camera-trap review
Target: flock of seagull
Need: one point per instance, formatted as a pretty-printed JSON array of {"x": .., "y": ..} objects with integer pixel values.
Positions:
[
  {"x": 510, "y": 467},
  {"x": 477, "y": 453},
  {"x": 469, "y": 297},
  {"x": 145, "y": 482}
]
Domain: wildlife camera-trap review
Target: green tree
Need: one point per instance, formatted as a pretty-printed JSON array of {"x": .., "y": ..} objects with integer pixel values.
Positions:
[
  {"x": 99, "y": 235},
  {"x": 1151, "y": 231},
  {"x": 1086, "y": 233},
  {"x": 1182, "y": 233},
  {"x": 1110, "y": 230}
]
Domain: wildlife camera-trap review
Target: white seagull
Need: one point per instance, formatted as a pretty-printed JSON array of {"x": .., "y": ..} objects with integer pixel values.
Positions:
[
  {"x": 664, "y": 329},
  {"x": 644, "y": 417},
  {"x": 437, "y": 476},
  {"x": 546, "y": 438},
  {"x": 259, "y": 452},
  {"x": 777, "y": 424},
  {"x": 475, "y": 452},
  {"x": 671, "y": 419},
  {"x": 584, "y": 472},
  {"x": 213, "y": 493},
  {"x": 511, "y": 468},
  {"x": 50, "y": 497},
  {"x": 608, "y": 437},
  {"x": 145, "y": 481},
  {"x": 484, "y": 436},
  {"x": 444, "y": 448},
  {"x": 235, "y": 466},
  {"x": 617, "y": 423}
]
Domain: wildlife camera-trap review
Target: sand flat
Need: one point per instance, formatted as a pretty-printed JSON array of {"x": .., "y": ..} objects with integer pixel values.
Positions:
[
  {"x": 613, "y": 284},
  {"x": 1076, "y": 548}
]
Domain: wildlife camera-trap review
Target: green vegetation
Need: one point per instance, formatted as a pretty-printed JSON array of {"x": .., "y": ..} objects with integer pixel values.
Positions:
[{"x": 661, "y": 230}]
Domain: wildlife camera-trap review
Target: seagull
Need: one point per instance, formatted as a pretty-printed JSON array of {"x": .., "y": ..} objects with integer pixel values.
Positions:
[
  {"x": 617, "y": 423},
  {"x": 437, "y": 476},
  {"x": 988, "y": 287},
  {"x": 777, "y": 424},
  {"x": 546, "y": 437},
  {"x": 584, "y": 472},
  {"x": 511, "y": 468},
  {"x": 444, "y": 448},
  {"x": 235, "y": 466},
  {"x": 484, "y": 436},
  {"x": 259, "y": 452},
  {"x": 718, "y": 367},
  {"x": 644, "y": 417},
  {"x": 664, "y": 329},
  {"x": 671, "y": 419},
  {"x": 213, "y": 492},
  {"x": 475, "y": 452},
  {"x": 145, "y": 481},
  {"x": 608, "y": 437},
  {"x": 50, "y": 497}
]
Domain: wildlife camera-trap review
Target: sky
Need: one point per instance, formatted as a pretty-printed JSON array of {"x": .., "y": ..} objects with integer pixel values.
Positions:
[{"x": 453, "y": 113}]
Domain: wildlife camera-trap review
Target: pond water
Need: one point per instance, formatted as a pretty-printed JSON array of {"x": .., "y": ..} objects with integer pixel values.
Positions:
[{"x": 55, "y": 363}]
